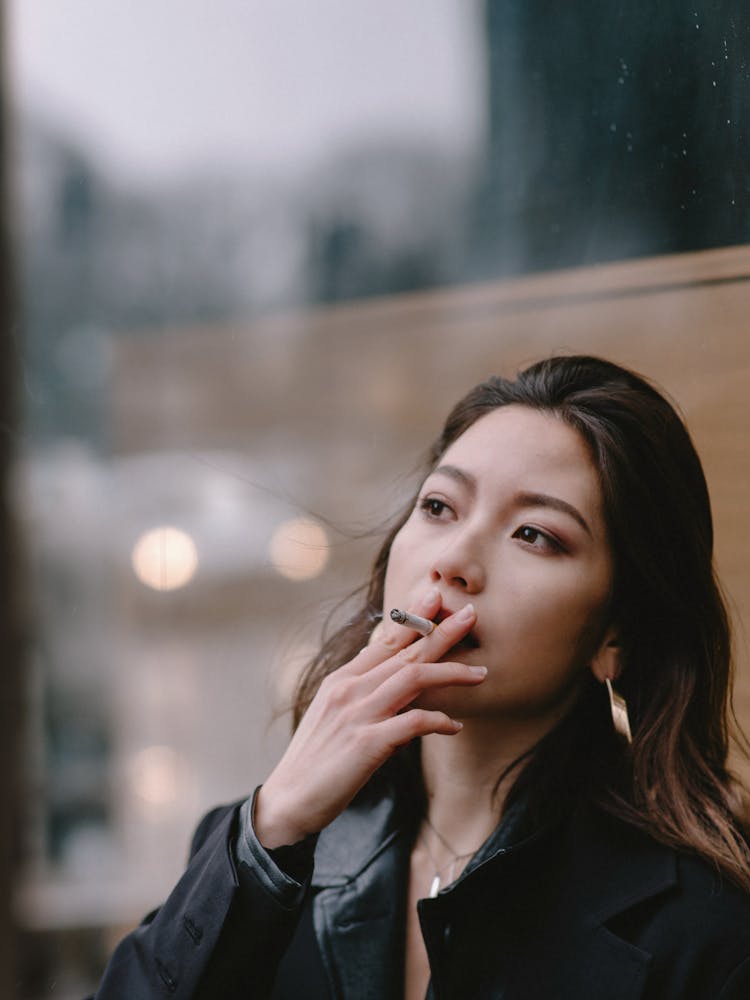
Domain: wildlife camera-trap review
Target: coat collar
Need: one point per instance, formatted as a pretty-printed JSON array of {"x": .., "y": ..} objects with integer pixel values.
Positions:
[
  {"x": 355, "y": 839},
  {"x": 621, "y": 865},
  {"x": 608, "y": 868}
]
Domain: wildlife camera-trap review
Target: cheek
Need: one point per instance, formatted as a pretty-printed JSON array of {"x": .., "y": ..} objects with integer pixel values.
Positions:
[
  {"x": 403, "y": 559},
  {"x": 591, "y": 614},
  {"x": 560, "y": 627},
  {"x": 546, "y": 660}
]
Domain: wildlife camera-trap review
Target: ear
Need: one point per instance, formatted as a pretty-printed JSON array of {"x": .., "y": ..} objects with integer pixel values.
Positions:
[{"x": 606, "y": 662}]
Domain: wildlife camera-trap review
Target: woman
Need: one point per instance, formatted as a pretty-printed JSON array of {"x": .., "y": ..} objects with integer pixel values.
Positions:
[{"x": 482, "y": 821}]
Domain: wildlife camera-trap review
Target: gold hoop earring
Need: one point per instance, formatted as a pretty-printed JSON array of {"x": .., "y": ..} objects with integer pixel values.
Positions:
[{"x": 619, "y": 708}]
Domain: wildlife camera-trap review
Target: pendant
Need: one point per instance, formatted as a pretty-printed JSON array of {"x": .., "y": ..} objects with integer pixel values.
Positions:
[{"x": 435, "y": 887}]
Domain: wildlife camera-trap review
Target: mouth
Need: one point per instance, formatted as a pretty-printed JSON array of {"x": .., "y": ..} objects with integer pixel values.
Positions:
[
  {"x": 464, "y": 645},
  {"x": 469, "y": 641}
]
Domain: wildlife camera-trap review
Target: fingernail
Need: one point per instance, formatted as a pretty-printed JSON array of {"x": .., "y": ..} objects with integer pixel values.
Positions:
[
  {"x": 465, "y": 613},
  {"x": 432, "y": 595},
  {"x": 458, "y": 725},
  {"x": 478, "y": 671}
]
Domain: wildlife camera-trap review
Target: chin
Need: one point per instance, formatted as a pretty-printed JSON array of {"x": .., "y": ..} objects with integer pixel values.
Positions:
[{"x": 459, "y": 703}]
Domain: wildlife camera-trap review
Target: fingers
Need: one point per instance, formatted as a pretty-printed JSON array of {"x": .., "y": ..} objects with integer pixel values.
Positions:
[
  {"x": 360, "y": 714},
  {"x": 388, "y": 638},
  {"x": 428, "y": 649},
  {"x": 407, "y": 684},
  {"x": 404, "y": 728}
]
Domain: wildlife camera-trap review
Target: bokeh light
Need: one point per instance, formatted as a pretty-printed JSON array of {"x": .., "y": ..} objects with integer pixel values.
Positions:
[
  {"x": 165, "y": 558},
  {"x": 299, "y": 549},
  {"x": 157, "y": 774}
]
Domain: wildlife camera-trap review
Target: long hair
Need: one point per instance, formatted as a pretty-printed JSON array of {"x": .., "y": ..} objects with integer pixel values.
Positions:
[{"x": 673, "y": 626}]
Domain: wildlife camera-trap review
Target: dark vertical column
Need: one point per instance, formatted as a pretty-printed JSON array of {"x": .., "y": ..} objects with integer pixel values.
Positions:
[
  {"x": 616, "y": 129},
  {"x": 10, "y": 606}
]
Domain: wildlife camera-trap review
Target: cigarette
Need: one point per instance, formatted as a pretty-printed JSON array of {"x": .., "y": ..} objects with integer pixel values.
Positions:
[{"x": 422, "y": 625}]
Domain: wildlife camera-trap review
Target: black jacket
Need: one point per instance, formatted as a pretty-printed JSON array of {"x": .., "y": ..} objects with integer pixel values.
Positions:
[{"x": 588, "y": 909}]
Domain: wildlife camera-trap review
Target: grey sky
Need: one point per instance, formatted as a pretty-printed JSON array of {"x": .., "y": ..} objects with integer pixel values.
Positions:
[{"x": 153, "y": 86}]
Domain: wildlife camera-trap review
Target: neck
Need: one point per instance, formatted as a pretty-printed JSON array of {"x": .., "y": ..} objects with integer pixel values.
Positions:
[{"x": 464, "y": 800}]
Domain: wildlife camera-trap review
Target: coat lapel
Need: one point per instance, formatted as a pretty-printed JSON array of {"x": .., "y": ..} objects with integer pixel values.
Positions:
[
  {"x": 622, "y": 866},
  {"x": 548, "y": 917},
  {"x": 607, "y": 870},
  {"x": 360, "y": 860}
]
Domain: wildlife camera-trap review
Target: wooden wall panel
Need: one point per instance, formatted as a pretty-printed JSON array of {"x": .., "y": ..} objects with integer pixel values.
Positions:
[{"x": 359, "y": 389}]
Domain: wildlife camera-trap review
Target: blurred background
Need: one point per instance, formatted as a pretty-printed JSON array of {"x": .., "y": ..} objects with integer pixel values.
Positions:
[{"x": 251, "y": 254}]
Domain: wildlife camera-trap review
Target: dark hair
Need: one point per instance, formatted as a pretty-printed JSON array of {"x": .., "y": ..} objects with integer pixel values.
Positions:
[{"x": 673, "y": 626}]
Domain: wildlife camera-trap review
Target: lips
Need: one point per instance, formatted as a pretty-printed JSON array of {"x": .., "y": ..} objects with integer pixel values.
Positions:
[{"x": 469, "y": 641}]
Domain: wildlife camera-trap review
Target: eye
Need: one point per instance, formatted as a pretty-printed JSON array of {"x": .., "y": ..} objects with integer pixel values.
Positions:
[
  {"x": 433, "y": 507},
  {"x": 537, "y": 539}
]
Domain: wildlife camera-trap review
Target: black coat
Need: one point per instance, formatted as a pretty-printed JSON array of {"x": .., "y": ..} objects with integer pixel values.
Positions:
[{"x": 587, "y": 910}]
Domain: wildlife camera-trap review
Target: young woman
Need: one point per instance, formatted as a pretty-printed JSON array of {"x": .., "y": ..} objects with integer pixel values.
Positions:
[{"x": 530, "y": 801}]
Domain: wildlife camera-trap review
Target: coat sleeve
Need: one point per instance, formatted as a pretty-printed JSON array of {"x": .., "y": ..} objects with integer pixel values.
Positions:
[{"x": 220, "y": 933}]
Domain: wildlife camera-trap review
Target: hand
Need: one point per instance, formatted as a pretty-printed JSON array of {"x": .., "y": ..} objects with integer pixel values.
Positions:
[{"x": 357, "y": 719}]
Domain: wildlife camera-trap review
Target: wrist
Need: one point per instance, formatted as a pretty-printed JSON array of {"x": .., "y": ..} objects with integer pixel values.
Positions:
[{"x": 273, "y": 825}]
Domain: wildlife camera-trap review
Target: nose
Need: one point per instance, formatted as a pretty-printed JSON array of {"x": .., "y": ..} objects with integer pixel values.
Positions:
[{"x": 459, "y": 565}]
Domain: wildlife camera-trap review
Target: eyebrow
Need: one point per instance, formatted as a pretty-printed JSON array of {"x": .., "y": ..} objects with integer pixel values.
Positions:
[
  {"x": 523, "y": 499},
  {"x": 555, "y": 503},
  {"x": 460, "y": 475}
]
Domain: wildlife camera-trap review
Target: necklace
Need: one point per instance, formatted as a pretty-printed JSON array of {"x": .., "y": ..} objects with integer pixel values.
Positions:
[{"x": 456, "y": 856}]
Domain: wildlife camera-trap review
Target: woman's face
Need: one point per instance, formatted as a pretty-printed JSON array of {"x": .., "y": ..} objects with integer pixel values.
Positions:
[{"x": 511, "y": 520}]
